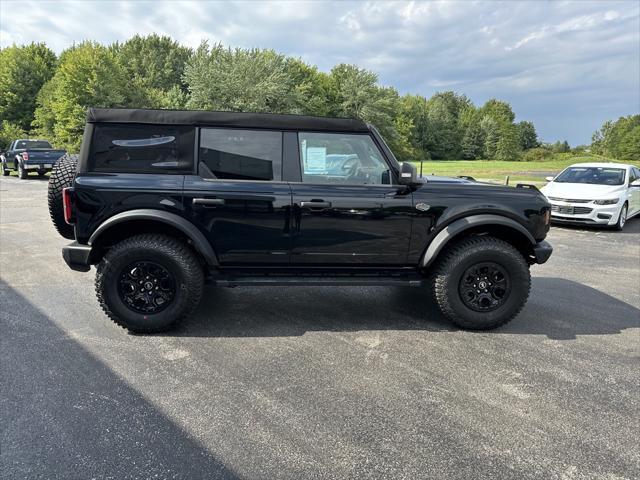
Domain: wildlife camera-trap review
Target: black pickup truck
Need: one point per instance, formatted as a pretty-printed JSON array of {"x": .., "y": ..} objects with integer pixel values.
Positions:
[
  {"x": 28, "y": 155},
  {"x": 164, "y": 201}
]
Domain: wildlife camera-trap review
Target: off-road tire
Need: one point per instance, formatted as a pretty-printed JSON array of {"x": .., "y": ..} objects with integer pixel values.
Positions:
[
  {"x": 460, "y": 256},
  {"x": 174, "y": 255},
  {"x": 62, "y": 175},
  {"x": 622, "y": 219}
]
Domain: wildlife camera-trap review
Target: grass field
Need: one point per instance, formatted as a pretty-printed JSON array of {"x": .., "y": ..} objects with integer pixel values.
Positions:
[{"x": 497, "y": 170}]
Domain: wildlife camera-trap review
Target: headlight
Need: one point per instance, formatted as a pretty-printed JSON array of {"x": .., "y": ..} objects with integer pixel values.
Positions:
[{"x": 611, "y": 201}]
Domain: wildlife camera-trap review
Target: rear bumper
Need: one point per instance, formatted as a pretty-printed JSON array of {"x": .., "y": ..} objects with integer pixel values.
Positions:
[
  {"x": 542, "y": 251},
  {"x": 77, "y": 256},
  {"x": 38, "y": 165}
]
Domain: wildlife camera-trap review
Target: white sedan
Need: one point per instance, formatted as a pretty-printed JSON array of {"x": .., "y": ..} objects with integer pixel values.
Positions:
[{"x": 595, "y": 194}]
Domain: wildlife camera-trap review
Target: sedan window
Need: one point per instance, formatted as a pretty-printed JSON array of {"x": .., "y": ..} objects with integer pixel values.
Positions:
[{"x": 592, "y": 175}]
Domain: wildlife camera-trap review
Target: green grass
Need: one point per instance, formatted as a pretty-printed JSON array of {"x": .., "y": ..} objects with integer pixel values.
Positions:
[{"x": 497, "y": 170}]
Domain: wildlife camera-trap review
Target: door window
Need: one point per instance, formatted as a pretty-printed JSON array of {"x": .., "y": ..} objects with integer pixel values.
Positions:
[
  {"x": 335, "y": 158},
  {"x": 240, "y": 154}
]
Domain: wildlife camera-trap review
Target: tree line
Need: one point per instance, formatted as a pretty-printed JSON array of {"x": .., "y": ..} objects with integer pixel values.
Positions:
[{"x": 47, "y": 96}]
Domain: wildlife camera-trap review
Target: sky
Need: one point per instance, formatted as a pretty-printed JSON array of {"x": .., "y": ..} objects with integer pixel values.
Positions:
[{"x": 565, "y": 65}]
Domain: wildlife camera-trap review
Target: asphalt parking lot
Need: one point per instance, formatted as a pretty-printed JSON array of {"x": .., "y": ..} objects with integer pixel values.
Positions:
[{"x": 270, "y": 383}]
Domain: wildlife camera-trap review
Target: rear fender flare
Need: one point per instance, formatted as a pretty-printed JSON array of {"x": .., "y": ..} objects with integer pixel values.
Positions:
[
  {"x": 462, "y": 224},
  {"x": 200, "y": 242}
]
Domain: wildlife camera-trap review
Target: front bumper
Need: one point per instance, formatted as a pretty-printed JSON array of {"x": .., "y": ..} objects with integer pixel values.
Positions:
[
  {"x": 542, "y": 251},
  {"x": 77, "y": 256},
  {"x": 585, "y": 213}
]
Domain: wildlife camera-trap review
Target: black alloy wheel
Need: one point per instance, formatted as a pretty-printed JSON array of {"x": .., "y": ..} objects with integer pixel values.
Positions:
[
  {"x": 485, "y": 286},
  {"x": 146, "y": 287}
]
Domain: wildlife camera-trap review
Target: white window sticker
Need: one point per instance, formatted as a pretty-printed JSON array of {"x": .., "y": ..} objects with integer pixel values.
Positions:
[{"x": 316, "y": 158}]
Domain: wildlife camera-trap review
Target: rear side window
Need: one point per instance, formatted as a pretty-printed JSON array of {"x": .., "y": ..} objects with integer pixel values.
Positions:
[
  {"x": 142, "y": 149},
  {"x": 234, "y": 154}
]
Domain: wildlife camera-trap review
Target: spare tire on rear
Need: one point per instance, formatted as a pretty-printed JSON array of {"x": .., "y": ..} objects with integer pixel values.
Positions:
[{"x": 62, "y": 175}]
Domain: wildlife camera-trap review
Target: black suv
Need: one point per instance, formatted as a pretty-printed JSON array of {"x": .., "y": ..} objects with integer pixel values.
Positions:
[{"x": 162, "y": 201}]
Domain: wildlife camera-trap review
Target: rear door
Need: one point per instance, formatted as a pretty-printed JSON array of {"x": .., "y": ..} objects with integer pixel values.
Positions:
[
  {"x": 238, "y": 198},
  {"x": 346, "y": 209}
]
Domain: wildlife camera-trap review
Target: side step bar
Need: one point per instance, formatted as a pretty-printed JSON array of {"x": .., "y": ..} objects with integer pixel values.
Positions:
[{"x": 316, "y": 281}]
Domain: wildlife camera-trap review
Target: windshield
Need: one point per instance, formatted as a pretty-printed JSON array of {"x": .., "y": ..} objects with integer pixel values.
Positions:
[
  {"x": 32, "y": 144},
  {"x": 592, "y": 175}
]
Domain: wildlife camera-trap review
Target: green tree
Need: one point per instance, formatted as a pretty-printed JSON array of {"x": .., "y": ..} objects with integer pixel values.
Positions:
[
  {"x": 527, "y": 135},
  {"x": 498, "y": 110},
  {"x": 413, "y": 108},
  {"x": 154, "y": 66},
  {"x": 8, "y": 133},
  {"x": 445, "y": 128},
  {"x": 473, "y": 141},
  {"x": 313, "y": 90},
  {"x": 254, "y": 80},
  {"x": 23, "y": 71},
  {"x": 619, "y": 139},
  {"x": 88, "y": 76},
  {"x": 561, "y": 147},
  {"x": 491, "y": 133},
  {"x": 508, "y": 146}
]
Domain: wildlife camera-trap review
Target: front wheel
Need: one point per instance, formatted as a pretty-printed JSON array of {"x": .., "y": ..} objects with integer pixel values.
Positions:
[
  {"x": 481, "y": 283},
  {"x": 622, "y": 218},
  {"x": 148, "y": 283}
]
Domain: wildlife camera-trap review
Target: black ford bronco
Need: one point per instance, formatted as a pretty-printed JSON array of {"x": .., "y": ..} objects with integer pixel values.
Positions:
[{"x": 162, "y": 201}]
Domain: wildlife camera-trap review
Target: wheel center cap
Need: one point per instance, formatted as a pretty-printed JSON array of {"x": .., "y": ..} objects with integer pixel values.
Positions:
[
  {"x": 148, "y": 286},
  {"x": 482, "y": 284}
]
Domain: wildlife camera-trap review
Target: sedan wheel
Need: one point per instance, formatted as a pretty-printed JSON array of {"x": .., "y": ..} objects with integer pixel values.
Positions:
[{"x": 622, "y": 219}]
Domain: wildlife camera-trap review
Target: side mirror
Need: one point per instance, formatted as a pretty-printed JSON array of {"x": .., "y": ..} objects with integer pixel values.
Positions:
[
  {"x": 408, "y": 174},
  {"x": 549, "y": 179},
  {"x": 635, "y": 183}
]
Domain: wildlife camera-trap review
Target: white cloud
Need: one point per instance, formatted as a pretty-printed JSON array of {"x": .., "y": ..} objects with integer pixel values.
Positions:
[{"x": 554, "y": 61}]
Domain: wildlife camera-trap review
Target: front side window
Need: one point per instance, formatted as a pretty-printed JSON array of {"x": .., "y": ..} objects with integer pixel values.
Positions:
[
  {"x": 142, "y": 149},
  {"x": 234, "y": 154},
  {"x": 335, "y": 158}
]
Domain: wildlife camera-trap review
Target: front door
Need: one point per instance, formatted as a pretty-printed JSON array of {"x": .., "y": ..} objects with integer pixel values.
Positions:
[
  {"x": 346, "y": 211},
  {"x": 238, "y": 199}
]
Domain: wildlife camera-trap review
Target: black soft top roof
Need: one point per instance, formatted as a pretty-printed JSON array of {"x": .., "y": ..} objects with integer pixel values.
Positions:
[{"x": 225, "y": 119}]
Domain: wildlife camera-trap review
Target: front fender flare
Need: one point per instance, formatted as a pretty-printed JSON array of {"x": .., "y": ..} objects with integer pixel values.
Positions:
[
  {"x": 462, "y": 224},
  {"x": 200, "y": 242}
]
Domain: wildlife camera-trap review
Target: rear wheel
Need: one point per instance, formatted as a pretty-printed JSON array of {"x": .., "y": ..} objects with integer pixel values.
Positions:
[
  {"x": 5, "y": 169},
  {"x": 148, "y": 283},
  {"x": 22, "y": 172},
  {"x": 62, "y": 175},
  {"x": 481, "y": 283}
]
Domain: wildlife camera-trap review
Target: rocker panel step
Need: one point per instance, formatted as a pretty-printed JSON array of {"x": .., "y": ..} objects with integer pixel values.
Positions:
[{"x": 318, "y": 281}]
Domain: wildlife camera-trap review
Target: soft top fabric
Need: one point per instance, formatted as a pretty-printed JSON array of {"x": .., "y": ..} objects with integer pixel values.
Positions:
[{"x": 225, "y": 119}]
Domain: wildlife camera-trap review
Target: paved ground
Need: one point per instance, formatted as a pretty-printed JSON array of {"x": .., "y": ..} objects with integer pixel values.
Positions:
[{"x": 318, "y": 383}]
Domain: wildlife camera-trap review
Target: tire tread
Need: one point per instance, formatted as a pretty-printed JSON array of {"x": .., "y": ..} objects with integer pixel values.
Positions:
[
  {"x": 442, "y": 274},
  {"x": 61, "y": 177},
  {"x": 178, "y": 250}
]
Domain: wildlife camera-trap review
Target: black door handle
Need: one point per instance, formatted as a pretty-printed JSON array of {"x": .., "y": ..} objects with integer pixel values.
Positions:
[
  {"x": 315, "y": 204},
  {"x": 208, "y": 201}
]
